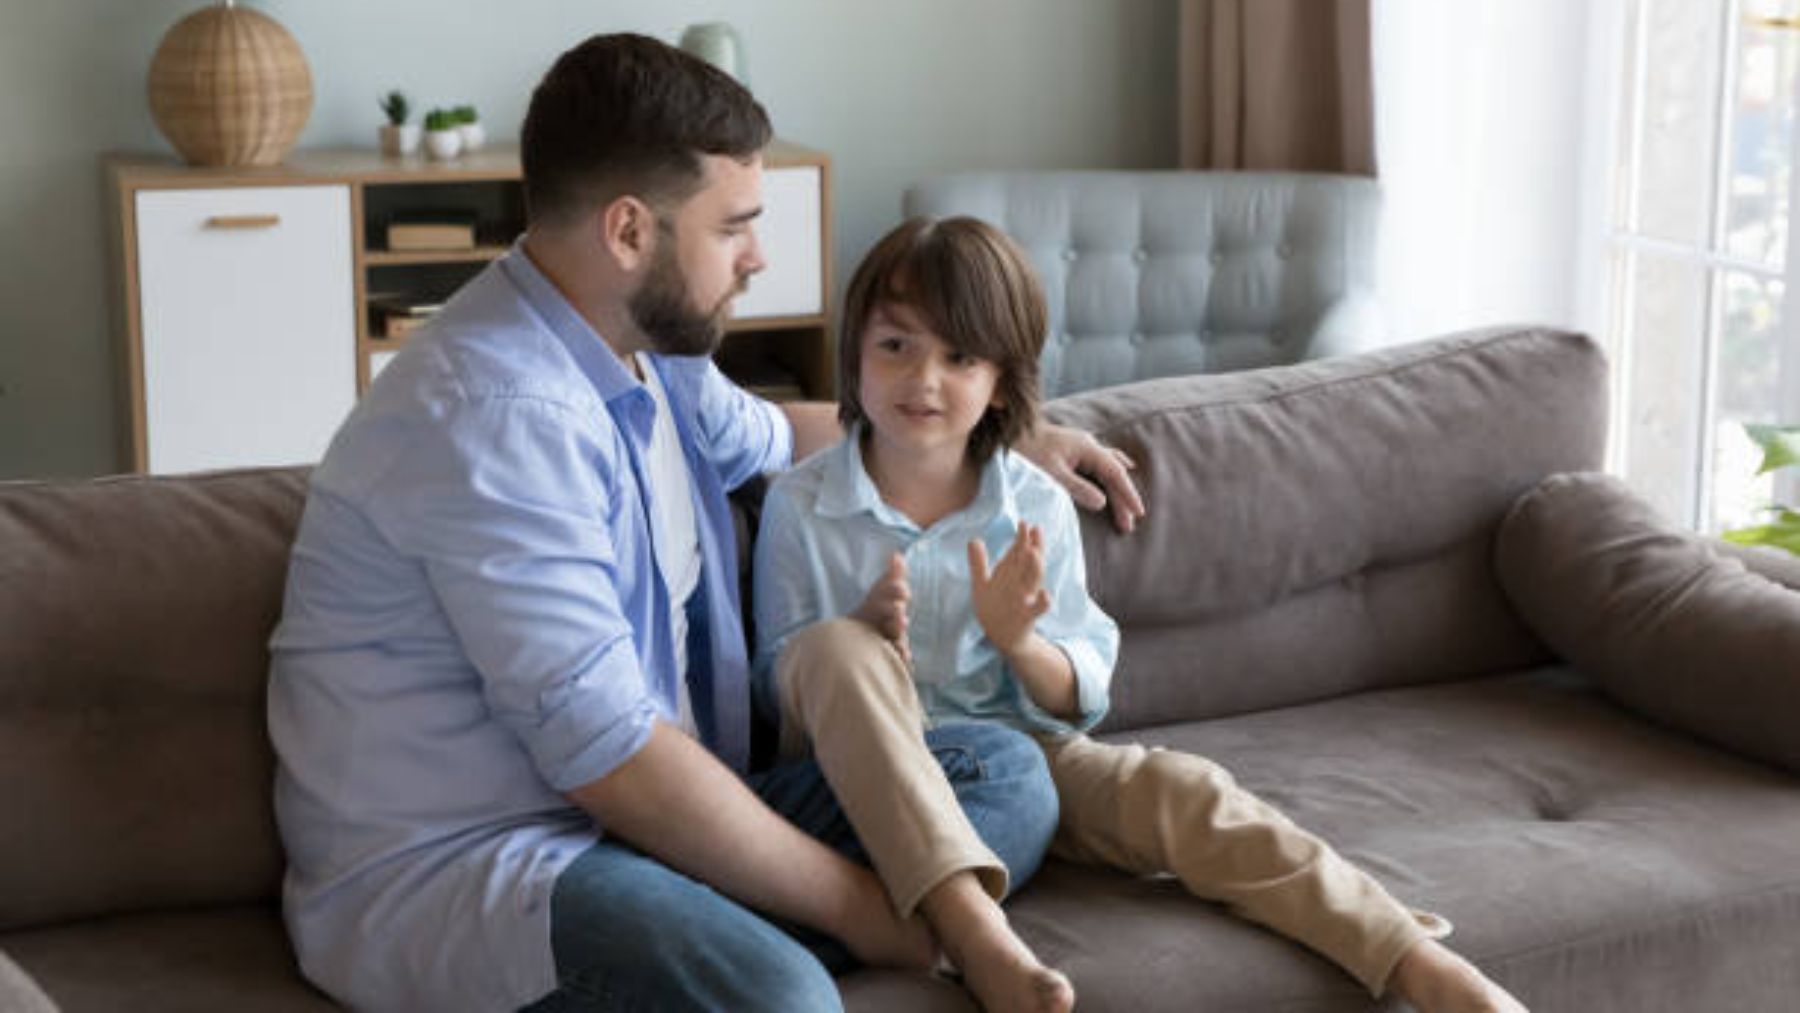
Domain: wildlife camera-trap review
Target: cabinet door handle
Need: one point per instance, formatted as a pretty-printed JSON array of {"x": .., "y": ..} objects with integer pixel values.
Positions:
[{"x": 243, "y": 221}]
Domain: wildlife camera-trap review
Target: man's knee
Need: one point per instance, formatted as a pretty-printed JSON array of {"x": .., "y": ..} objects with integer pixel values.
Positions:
[{"x": 1001, "y": 777}]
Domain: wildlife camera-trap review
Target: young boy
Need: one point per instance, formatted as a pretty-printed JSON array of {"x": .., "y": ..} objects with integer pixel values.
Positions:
[{"x": 878, "y": 611}]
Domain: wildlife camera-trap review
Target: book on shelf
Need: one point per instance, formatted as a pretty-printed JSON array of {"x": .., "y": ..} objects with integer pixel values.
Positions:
[
  {"x": 415, "y": 231},
  {"x": 399, "y": 325},
  {"x": 397, "y": 316}
]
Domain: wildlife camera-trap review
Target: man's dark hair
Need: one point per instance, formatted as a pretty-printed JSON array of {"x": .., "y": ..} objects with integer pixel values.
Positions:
[{"x": 626, "y": 114}]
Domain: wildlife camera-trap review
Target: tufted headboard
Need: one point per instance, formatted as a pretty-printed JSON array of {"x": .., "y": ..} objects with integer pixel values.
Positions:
[{"x": 1167, "y": 273}]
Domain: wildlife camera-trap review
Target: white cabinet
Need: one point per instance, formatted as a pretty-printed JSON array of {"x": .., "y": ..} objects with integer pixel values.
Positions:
[
  {"x": 791, "y": 231},
  {"x": 248, "y": 324}
]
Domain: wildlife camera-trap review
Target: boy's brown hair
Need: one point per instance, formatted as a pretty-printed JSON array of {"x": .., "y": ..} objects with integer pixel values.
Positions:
[
  {"x": 626, "y": 114},
  {"x": 973, "y": 286}
]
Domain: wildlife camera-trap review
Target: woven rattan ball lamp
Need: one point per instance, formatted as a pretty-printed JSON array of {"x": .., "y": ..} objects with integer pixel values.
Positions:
[{"x": 230, "y": 86}]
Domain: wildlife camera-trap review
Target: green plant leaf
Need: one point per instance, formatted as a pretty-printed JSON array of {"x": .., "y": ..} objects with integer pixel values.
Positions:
[
  {"x": 1780, "y": 446},
  {"x": 1783, "y": 533}
]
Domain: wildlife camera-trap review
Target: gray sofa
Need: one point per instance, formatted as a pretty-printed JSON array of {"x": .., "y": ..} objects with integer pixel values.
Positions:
[
  {"x": 1358, "y": 587},
  {"x": 1152, "y": 274}
]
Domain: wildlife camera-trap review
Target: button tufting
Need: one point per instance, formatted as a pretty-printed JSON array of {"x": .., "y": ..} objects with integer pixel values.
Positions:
[
  {"x": 1069, "y": 254},
  {"x": 1216, "y": 258},
  {"x": 1136, "y": 338},
  {"x": 1140, "y": 255},
  {"x": 1285, "y": 251}
]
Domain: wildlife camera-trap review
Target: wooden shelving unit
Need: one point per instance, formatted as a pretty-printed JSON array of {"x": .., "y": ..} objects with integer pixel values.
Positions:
[{"x": 782, "y": 328}]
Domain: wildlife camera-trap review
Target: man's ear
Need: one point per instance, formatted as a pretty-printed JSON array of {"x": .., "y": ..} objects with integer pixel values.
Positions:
[{"x": 628, "y": 232}]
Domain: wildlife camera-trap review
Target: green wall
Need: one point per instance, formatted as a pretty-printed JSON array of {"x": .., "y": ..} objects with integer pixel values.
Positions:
[{"x": 893, "y": 91}]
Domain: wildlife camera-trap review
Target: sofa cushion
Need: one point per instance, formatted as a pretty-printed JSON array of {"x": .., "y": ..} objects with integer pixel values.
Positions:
[
  {"x": 1320, "y": 529},
  {"x": 134, "y": 764},
  {"x": 1589, "y": 860},
  {"x": 175, "y": 961},
  {"x": 1670, "y": 626}
]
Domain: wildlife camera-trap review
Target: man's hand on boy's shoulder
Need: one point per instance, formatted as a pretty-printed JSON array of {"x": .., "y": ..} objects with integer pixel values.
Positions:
[{"x": 1097, "y": 476}]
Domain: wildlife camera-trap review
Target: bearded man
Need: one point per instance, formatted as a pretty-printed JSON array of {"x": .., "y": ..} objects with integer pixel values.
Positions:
[{"x": 509, "y": 691}]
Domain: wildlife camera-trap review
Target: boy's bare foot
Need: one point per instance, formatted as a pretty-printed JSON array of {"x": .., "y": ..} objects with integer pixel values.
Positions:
[
  {"x": 1436, "y": 980},
  {"x": 996, "y": 965},
  {"x": 1007, "y": 978}
]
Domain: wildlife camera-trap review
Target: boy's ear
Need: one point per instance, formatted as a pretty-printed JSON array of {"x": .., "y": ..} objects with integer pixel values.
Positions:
[{"x": 628, "y": 231}]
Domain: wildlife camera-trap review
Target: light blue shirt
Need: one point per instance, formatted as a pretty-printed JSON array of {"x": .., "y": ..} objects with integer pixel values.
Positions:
[
  {"x": 474, "y": 624},
  {"x": 826, "y": 538}
]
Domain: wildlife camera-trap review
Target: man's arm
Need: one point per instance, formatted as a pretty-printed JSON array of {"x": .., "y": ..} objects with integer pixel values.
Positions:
[
  {"x": 815, "y": 426},
  {"x": 1078, "y": 461},
  {"x": 678, "y": 804}
]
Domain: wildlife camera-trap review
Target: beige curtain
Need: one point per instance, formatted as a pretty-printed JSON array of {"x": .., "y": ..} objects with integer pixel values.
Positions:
[{"x": 1276, "y": 84}]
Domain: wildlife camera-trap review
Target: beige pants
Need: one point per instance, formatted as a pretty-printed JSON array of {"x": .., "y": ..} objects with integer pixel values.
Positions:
[{"x": 1147, "y": 811}]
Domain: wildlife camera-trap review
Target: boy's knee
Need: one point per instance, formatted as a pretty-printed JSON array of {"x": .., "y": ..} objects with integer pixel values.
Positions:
[
  {"x": 833, "y": 638},
  {"x": 828, "y": 651}
]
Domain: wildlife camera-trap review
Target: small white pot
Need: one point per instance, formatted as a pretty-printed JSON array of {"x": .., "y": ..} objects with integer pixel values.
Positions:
[
  {"x": 443, "y": 144},
  {"x": 398, "y": 141},
  {"x": 473, "y": 137}
]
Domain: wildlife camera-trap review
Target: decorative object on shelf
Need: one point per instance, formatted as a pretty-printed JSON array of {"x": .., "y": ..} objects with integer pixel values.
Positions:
[
  {"x": 469, "y": 125},
  {"x": 398, "y": 137},
  {"x": 718, "y": 44},
  {"x": 230, "y": 86},
  {"x": 443, "y": 134},
  {"x": 1781, "y": 449}
]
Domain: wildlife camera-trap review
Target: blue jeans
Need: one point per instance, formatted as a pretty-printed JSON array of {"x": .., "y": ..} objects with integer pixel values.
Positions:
[{"x": 629, "y": 933}]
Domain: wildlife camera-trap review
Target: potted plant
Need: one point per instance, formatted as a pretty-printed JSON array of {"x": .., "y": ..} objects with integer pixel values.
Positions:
[
  {"x": 469, "y": 124},
  {"x": 398, "y": 137},
  {"x": 1781, "y": 449},
  {"x": 443, "y": 135}
]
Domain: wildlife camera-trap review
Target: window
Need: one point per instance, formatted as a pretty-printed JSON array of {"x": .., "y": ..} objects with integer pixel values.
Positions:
[{"x": 1698, "y": 260}]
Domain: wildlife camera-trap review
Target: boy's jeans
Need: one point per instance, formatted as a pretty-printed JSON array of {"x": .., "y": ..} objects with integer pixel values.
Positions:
[{"x": 631, "y": 934}]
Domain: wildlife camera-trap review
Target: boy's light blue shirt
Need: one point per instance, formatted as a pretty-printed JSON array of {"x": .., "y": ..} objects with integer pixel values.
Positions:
[
  {"x": 826, "y": 538},
  {"x": 474, "y": 624}
]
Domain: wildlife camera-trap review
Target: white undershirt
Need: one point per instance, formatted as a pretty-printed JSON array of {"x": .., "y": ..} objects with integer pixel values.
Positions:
[{"x": 674, "y": 531}]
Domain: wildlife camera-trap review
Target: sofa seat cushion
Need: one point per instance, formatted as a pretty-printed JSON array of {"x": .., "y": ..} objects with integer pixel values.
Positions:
[
  {"x": 1590, "y": 860},
  {"x": 233, "y": 958}
]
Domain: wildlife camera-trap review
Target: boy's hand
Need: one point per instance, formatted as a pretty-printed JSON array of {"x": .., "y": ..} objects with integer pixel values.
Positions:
[
  {"x": 1009, "y": 600},
  {"x": 884, "y": 607}
]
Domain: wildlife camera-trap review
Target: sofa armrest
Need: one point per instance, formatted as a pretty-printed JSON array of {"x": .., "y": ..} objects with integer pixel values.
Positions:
[
  {"x": 1668, "y": 625},
  {"x": 18, "y": 993},
  {"x": 1781, "y": 567}
]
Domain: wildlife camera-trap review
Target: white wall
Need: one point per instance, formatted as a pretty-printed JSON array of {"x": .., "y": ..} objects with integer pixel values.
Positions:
[
  {"x": 1486, "y": 162},
  {"x": 893, "y": 91}
]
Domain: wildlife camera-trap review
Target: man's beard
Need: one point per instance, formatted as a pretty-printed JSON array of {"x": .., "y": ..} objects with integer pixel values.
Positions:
[{"x": 663, "y": 309}]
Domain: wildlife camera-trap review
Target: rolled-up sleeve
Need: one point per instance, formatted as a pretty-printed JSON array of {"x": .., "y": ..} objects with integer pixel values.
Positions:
[
  {"x": 504, "y": 508},
  {"x": 1075, "y": 624}
]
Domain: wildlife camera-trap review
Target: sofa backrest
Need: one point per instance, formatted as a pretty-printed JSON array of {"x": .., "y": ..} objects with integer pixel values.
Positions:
[
  {"x": 1152, "y": 274},
  {"x": 1320, "y": 529},
  {"x": 135, "y": 767}
]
